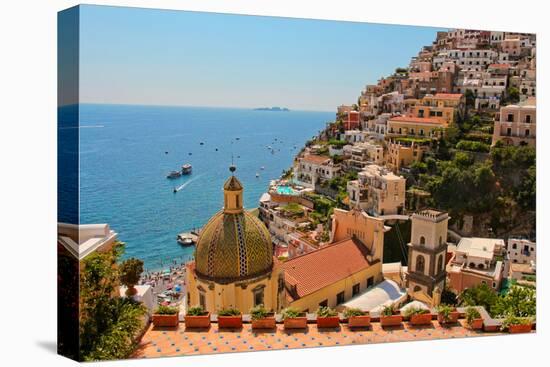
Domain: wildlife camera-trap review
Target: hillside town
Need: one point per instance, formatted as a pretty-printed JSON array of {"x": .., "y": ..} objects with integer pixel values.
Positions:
[{"x": 411, "y": 213}]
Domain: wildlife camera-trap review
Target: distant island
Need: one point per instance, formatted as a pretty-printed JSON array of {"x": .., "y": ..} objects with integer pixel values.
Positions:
[{"x": 273, "y": 109}]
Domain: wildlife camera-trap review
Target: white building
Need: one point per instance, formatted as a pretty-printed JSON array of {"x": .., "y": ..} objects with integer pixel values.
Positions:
[{"x": 521, "y": 251}]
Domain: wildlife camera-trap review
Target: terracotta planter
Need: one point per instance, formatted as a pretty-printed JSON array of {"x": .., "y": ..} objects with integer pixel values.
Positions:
[
  {"x": 476, "y": 324},
  {"x": 421, "y": 319},
  {"x": 453, "y": 318},
  {"x": 516, "y": 329},
  {"x": 202, "y": 321},
  {"x": 328, "y": 322},
  {"x": 394, "y": 320},
  {"x": 295, "y": 322},
  {"x": 265, "y": 323},
  {"x": 230, "y": 322},
  {"x": 359, "y": 321},
  {"x": 165, "y": 320}
]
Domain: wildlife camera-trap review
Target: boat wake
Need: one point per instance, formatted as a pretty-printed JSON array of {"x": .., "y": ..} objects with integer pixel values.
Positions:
[{"x": 188, "y": 182}]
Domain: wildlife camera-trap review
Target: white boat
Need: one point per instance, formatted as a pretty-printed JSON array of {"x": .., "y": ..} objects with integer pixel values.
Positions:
[
  {"x": 186, "y": 169},
  {"x": 187, "y": 239}
]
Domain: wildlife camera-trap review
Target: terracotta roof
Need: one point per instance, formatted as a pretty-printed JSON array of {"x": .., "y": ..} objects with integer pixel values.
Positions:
[
  {"x": 448, "y": 96},
  {"x": 499, "y": 66},
  {"x": 422, "y": 120},
  {"x": 318, "y": 269},
  {"x": 315, "y": 159}
]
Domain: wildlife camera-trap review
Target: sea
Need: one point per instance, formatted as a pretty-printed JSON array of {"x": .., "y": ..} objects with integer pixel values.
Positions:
[{"x": 126, "y": 151}]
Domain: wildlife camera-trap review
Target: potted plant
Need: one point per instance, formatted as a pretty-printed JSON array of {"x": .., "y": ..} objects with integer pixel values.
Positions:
[
  {"x": 516, "y": 325},
  {"x": 294, "y": 319},
  {"x": 357, "y": 318},
  {"x": 447, "y": 314},
  {"x": 327, "y": 317},
  {"x": 262, "y": 318},
  {"x": 473, "y": 318},
  {"x": 418, "y": 316},
  {"x": 230, "y": 318},
  {"x": 165, "y": 316},
  {"x": 129, "y": 273},
  {"x": 197, "y": 317},
  {"x": 388, "y": 317}
]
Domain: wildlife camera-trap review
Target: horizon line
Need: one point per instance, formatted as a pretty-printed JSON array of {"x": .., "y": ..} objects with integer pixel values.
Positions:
[{"x": 193, "y": 106}]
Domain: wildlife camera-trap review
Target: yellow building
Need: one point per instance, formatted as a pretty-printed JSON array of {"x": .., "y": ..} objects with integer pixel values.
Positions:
[
  {"x": 415, "y": 126},
  {"x": 234, "y": 265},
  {"x": 403, "y": 153},
  {"x": 441, "y": 106},
  {"x": 337, "y": 272}
]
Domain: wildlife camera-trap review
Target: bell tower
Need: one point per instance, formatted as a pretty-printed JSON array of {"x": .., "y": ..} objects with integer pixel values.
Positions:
[
  {"x": 232, "y": 194},
  {"x": 427, "y": 251}
]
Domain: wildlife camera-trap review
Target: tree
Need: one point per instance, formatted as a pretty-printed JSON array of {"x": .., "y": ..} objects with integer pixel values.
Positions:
[
  {"x": 470, "y": 98},
  {"x": 480, "y": 295},
  {"x": 513, "y": 94},
  {"x": 130, "y": 272},
  {"x": 108, "y": 323},
  {"x": 519, "y": 302}
]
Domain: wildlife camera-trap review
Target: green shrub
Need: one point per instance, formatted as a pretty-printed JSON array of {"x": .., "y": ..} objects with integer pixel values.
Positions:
[
  {"x": 166, "y": 310},
  {"x": 515, "y": 320},
  {"x": 471, "y": 314},
  {"x": 291, "y": 312},
  {"x": 229, "y": 312},
  {"x": 415, "y": 311},
  {"x": 259, "y": 312},
  {"x": 388, "y": 310},
  {"x": 473, "y": 146},
  {"x": 445, "y": 311},
  {"x": 349, "y": 312},
  {"x": 326, "y": 312},
  {"x": 196, "y": 311}
]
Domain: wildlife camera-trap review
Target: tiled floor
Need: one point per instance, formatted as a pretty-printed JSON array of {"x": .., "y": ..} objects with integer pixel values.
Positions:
[{"x": 174, "y": 342}]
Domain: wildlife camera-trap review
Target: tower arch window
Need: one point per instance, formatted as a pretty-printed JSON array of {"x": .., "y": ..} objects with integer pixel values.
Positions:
[
  {"x": 440, "y": 262},
  {"x": 420, "y": 264},
  {"x": 422, "y": 240},
  {"x": 258, "y": 294}
]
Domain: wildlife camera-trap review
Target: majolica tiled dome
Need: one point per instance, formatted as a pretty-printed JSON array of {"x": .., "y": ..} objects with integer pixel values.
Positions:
[{"x": 234, "y": 245}]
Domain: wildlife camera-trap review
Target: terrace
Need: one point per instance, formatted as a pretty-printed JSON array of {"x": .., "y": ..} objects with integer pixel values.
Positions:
[{"x": 165, "y": 342}]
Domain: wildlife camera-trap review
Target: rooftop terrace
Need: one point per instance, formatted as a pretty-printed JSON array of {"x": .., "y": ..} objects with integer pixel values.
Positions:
[{"x": 165, "y": 342}]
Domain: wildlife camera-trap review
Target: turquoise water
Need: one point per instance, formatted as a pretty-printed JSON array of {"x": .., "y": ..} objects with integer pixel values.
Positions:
[
  {"x": 123, "y": 167},
  {"x": 285, "y": 190}
]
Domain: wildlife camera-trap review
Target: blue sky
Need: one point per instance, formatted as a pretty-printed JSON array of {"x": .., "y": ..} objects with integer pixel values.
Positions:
[{"x": 162, "y": 57}]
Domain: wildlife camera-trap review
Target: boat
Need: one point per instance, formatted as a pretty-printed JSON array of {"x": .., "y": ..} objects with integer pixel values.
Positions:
[
  {"x": 186, "y": 169},
  {"x": 175, "y": 190},
  {"x": 257, "y": 174},
  {"x": 202, "y": 143},
  {"x": 174, "y": 174},
  {"x": 187, "y": 238},
  {"x": 262, "y": 168},
  {"x": 216, "y": 149}
]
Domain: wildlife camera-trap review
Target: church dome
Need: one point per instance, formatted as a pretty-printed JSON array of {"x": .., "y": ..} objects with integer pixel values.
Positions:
[{"x": 234, "y": 245}]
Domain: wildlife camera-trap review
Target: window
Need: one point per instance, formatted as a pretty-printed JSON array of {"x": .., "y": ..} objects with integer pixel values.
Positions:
[
  {"x": 355, "y": 289},
  {"x": 510, "y": 117},
  {"x": 340, "y": 298},
  {"x": 420, "y": 264},
  {"x": 440, "y": 263},
  {"x": 527, "y": 132},
  {"x": 422, "y": 240},
  {"x": 370, "y": 282},
  {"x": 202, "y": 300},
  {"x": 440, "y": 240},
  {"x": 324, "y": 303},
  {"x": 509, "y": 131},
  {"x": 527, "y": 119},
  {"x": 494, "y": 285}
]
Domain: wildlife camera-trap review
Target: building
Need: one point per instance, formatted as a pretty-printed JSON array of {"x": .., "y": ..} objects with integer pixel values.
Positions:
[
  {"x": 478, "y": 261},
  {"x": 377, "y": 191},
  {"x": 84, "y": 239},
  {"x": 516, "y": 124},
  {"x": 415, "y": 126},
  {"x": 312, "y": 168},
  {"x": 351, "y": 120},
  {"x": 402, "y": 153},
  {"x": 521, "y": 251},
  {"x": 427, "y": 252},
  {"x": 444, "y": 107},
  {"x": 234, "y": 264},
  {"x": 362, "y": 154},
  {"x": 335, "y": 273}
]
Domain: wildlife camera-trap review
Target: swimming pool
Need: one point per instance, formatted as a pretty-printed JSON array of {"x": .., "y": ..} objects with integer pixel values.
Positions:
[{"x": 285, "y": 190}]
